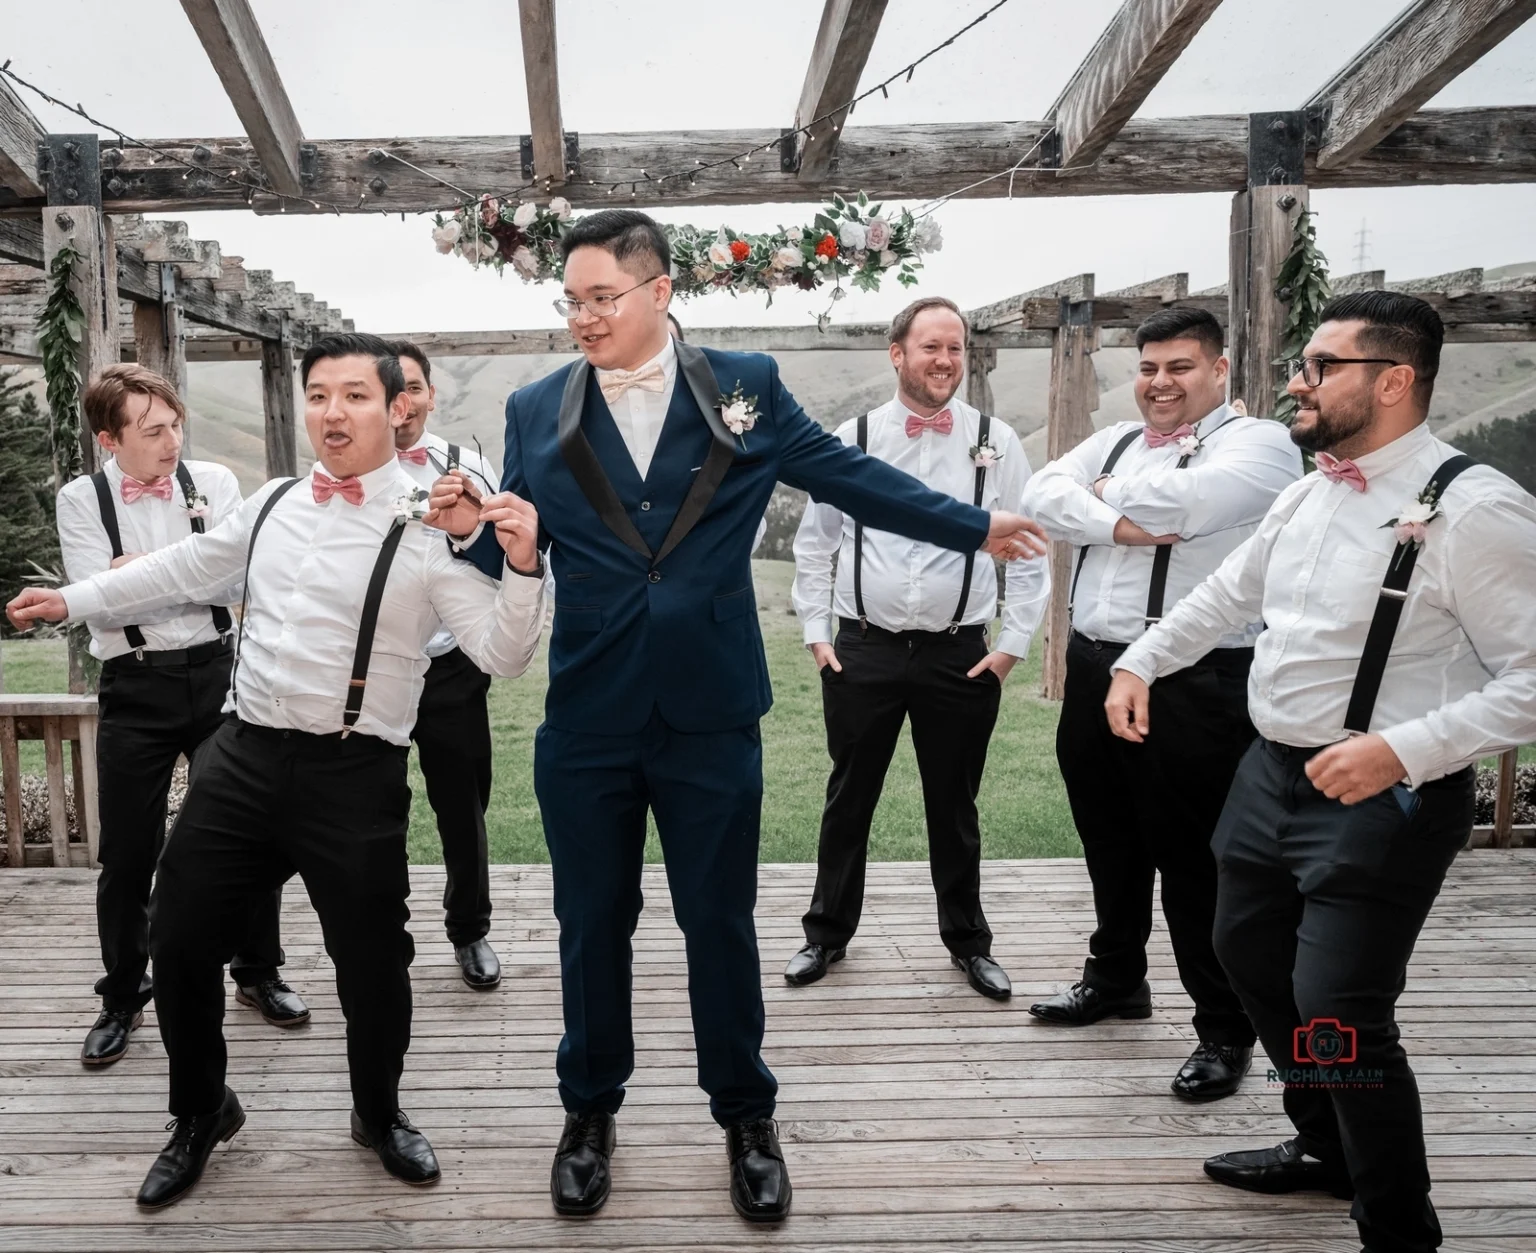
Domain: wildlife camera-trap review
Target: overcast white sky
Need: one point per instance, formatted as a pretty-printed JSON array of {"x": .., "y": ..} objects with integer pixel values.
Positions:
[{"x": 382, "y": 68}]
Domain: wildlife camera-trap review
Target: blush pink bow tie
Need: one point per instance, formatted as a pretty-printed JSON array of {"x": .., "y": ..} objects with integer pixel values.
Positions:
[
  {"x": 132, "y": 489},
  {"x": 942, "y": 423},
  {"x": 1341, "y": 470},
  {"x": 416, "y": 456},
  {"x": 350, "y": 489},
  {"x": 614, "y": 383},
  {"x": 1156, "y": 439}
]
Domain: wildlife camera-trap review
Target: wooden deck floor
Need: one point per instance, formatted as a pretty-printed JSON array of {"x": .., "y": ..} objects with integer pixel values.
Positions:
[{"x": 915, "y": 1115}]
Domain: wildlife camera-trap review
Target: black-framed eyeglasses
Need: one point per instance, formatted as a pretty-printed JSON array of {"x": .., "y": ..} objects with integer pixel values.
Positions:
[
  {"x": 598, "y": 306},
  {"x": 1312, "y": 369}
]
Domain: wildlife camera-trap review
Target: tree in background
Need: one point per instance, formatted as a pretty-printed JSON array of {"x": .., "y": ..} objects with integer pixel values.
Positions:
[
  {"x": 27, "y": 531},
  {"x": 1507, "y": 444}
]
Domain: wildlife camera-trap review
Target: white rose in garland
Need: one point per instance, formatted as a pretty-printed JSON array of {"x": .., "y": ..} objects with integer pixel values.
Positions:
[
  {"x": 561, "y": 208},
  {"x": 720, "y": 253},
  {"x": 877, "y": 234},
  {"x": 446, "y": 236},
  {"x": 851, "y": 235},
  {"x": 525, "y": 263},
  {"x": 524, "y": 214},
  {"x": 928, "y": 236}
]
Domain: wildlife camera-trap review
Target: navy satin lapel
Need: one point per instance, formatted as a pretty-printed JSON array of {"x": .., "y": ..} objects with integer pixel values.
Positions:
[
  {"x": 696, "y": 370},
  {"x": 585, "y": 467},
  {"x": 700, "y": 375}
]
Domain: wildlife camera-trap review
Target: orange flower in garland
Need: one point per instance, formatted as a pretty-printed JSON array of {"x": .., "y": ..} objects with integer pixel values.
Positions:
[
  {"x": 740, "y": 249},
  {"x": 827, "y": 247}
]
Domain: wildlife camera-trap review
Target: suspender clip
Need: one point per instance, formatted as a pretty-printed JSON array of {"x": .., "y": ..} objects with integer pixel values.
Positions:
[
  {"x": 953, "y": 627},
  {"x": 345, "y": 731},
  {"x": 138, "y": 654},
  {"x": 863, "y": 625},
  {"x": 1395, "y": 593}
]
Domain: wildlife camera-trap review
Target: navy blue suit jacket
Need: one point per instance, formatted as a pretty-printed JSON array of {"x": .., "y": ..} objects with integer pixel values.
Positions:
[{"x": 650, "y": 620}]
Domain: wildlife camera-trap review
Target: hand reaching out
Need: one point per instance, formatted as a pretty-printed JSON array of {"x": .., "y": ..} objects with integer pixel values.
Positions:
[
  {"x": 1013, "y": 536},
  {"x": 37, "y": 604}
]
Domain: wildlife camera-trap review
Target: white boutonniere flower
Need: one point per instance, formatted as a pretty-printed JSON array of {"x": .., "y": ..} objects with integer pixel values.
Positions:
[
  {"x": 1189, "y": 445},
  {"x": 984, "y": 456},
  {"x": 739, "y": 413},
  {"x": 195, "y": 505},
  {"x": 1411, "y": 526},
  {"x": 411, "y": 506}
]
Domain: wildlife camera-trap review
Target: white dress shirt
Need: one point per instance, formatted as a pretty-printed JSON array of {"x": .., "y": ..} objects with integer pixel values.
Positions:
[
  {"x": 911, "y": 586},
  {"x": 1460, "y": 682},
  {"x": 487, "y": 482},
  {"x": 308, "y": 579},
  {"x": 640, "y": 414},
  {"x": 145, "y": 526},
  {"x": 1213, "y": 505}
]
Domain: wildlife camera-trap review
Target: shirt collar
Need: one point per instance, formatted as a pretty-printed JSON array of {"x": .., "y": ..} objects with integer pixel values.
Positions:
[
  {"x": 957, "y": 408},
  {"x": 1399, "y": 452},
  {"x": 1213, "y": 419},
  {"x": 666, "y": 359}
]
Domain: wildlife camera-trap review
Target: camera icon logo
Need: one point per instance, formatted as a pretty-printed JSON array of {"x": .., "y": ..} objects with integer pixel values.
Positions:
[{"x": 1325, "y": 1042}]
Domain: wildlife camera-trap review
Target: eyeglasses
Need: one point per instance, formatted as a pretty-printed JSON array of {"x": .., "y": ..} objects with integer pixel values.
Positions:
[
  {"x": 598, "y": 306},
  {"x": 1312, "y": 369}
]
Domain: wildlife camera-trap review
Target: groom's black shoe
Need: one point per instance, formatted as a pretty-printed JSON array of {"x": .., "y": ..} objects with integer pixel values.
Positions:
[
  {"x": 760, "y": 1188},
  {"x": 108, "y": 1039},
  {"x": 180, "y": 1164},
  {"x": 1081, "y": 1004},
  {"x": 1284, "y": 1168},
  {"x": 579, "y": 1180},
  {"x": 810, "y": 963},
  {"x": 478, "y": 964},
  {"x": 985, "y": 975},
  {"x": 275, "y": 1001},
  {"x": 403, "y": 1150},
  {"x": 1212, "y": 1071}
]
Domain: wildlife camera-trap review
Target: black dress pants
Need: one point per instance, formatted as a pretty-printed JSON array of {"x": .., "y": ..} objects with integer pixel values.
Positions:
[
  {"x": 264, "y": 805},
  {"x": 453, "y": 739},
  {"x": 154, "y": 710},
  {"x": 1319, "y": 907},
  {"x": 1144, "y": 809},
  {"x": 888, "y": 676}
]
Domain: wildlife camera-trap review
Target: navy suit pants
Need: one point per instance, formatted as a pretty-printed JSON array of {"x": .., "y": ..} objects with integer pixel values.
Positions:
[{"x": 706, "y": 793}]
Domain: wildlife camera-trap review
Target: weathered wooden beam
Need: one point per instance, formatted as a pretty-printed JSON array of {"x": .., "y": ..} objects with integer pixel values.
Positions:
[
  {"x": 843, "y": 40},
  {"x": 160, "y": 333},
  {"x": 1149, "y": 156},
  {"x": 1142, "y": 40},
  {"x": 541, "y": 73},
  {"x": 20, "y": 133},
  {"x": 1425, "y": 47},
  {"x": 1365, "y": 280},
  {"x": 1168, "y": 287},
  {"x": 1455, "y": 283},
  {"x": 1011, "y": 308},
  {"x": 234, "y": 43},
  {"x": 279, "y": 405},
  {"x": 979, "y": 364}
]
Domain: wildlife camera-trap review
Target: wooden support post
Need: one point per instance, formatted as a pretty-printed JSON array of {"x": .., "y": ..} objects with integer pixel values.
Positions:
[
  {"x": 279, "y": 405},
  {"x": 10, "y": 775},
  {"x": 1074, "y": 397},
  {"x": 160, "y": 340},
  {"x": 1263, "y": 217},
  {"x": 541, "y": 73},
  {"x": 1504, "y": 800},
  {"x": 843, "y": 40},
  {"x": 979, "y": 364}
]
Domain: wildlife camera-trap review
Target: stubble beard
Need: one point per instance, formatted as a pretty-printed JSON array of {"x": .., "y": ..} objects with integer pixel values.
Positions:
[
  {"x": 917, "y": 388},
  {"x": 1341, "y": 422}
]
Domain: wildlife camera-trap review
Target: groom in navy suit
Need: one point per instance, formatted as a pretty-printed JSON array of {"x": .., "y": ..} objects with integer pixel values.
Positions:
[{"x": 650, "y": 462}]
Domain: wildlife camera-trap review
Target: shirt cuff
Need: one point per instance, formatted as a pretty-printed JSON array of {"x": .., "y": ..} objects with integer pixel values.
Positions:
[
  {"x": 521, "y": 589},
  {"x": 459, "y": 545},
  {"x": 818, "y": 631},
  {"x": 1139, "y": 662},
  {"x": 1099, "y": 522},
  {"x": 83, "y": 600},
  {"x": 1014, "y": 643},
  {"x": 1416, "y": 747}
]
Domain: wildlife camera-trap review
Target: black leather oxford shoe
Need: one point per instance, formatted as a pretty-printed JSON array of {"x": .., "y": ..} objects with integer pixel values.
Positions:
[
  {"x": 985, "y": 975},
  {"x": 108, "y": 1039},
  {"x": 1081, "y": 1004},
  {"x": 810, "y": 963},
  {"x": 403, "y": 1150},
  {"x": 1212, "y": 1072},
  {"x": 275, "y": 1001},
  {"x": 478, "y": 964},
  {"x": 180, "y": 1164},
  {"x": 760, "y": 1188},
  {"x": 1284, "y": 1168},
  {"x": 579, "y": 1180}
]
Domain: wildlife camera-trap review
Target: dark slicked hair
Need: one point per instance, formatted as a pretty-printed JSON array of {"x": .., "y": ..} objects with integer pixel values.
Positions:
[
  {"x": 634, "y": 239},
  {"x": 404, "y": 348},
  {"x": 1196, "y": 324},
  {"x": 1397, "y": 326},
  {"x": 385, "y": 361}
]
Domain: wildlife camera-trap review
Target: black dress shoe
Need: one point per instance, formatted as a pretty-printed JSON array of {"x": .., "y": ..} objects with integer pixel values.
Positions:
[
  {"x": 479, "y": 964},
  {"x": 1081, "y": 1004},
  {"x": 579, "y": 1179},
  {"x": 1212, "y": 1072},
  {"x": 181, "y": 1162},
  {"x": 1283, "y": 1168},
  {"x": 985, "y": 975},
  {"x": 760, "y": 1188},
  {"x": 108, "y": 1039},
  {"x": 810, "y": 963},
  {"x": 403, "y": 1150},
  {"x": 275, "y": 1001}
]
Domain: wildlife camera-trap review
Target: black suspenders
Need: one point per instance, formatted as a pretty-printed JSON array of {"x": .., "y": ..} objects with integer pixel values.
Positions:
[
  {"x": 1389, "y": 609},
  {"x": 983, "y": 429},
  {"x": 1125, "y": 441},
  {"x": 222, "y": 623}
]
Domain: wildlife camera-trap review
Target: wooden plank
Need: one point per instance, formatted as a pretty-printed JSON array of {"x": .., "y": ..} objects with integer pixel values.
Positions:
[
  {"x": 1010, "y": 310},
  {"x": 1425, "y": 47},
  {"x": 843, "y": 40},
  {"x": 10, "y": 779},
  {"x": 979, "y": 364},
  {"x": 1262, "y": 222},
  {"x": 58, "y": 822},
  {"x": 160, "y": 336},
  {"x": 1504, "y": 801},
  {"x": 279, "y": 407},
  {"x": 29, "y": 705},
  {"x": 88, "y": 805},
  {"x": 20, "y": 133},
  {"x": 1169, "y": 287},
  {"x": 1130, "y": 58},
  {"x": 541, "y": 74},
  {"x": 232, "y": 38}
]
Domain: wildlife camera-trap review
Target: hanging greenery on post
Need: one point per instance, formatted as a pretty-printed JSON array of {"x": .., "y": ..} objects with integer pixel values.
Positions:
[
  {"x": 1302, "y": 285},
  {"x": 60, "y": 327}
]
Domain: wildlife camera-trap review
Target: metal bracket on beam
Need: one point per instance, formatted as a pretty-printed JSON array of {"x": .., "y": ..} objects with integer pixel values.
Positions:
[
  {"x": 789, "y": 151},
  {"x": 309, "y": 164},
  {"x": 70, "y": 169},
  {"x": 1049, "y": 150},
  {"x": 572, "y": 155},
  {"x": 167, "y": 303},
  {"x": 1277, "y": 148}
]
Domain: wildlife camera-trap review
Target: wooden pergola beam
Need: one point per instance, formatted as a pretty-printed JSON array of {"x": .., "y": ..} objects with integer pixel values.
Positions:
[
  {"x": 20, "y": 134},
  {"x": 1011, "y": 310},
  {"x": 1424, "y": 48},
  {"x": 843, "y": 40},
  {"x": 541, "y": 73},
  {"x": 235, "y": 45},
  {"x": 1142, "y": 40}
]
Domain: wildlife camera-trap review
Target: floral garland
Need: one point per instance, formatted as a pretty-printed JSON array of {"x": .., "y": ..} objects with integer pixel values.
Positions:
[
  {"x": 848, "y": 239},
  {"x": 60, "y": 327},
  {"x": 1302, "y": 284}
]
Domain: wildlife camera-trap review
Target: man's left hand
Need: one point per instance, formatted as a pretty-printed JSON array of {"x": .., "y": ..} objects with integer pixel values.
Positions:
[
  {"x": 999, "y": 663},
  {"x": 1012, "y": 536},
  {"x": 517, "y": 529},
  {"x": 453, "y": 505},
  {"x": 1355, "y": 769}
]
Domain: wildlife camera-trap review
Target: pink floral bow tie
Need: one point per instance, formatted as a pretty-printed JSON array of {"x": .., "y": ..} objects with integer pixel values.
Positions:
[
  {"x": 132, "y": 489},
  {"x": 614, "y": 383},
  {"x": 1156, "y": 439},
  {"x": 942, "y": 423},
  {"x": 350, "y": 489},
  {"x": 416, "y": 456},
  {"x": 1341, "y": 470}
]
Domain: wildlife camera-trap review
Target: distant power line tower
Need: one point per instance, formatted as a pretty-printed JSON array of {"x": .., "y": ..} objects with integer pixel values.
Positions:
[{"x": 1362, "y": 247}]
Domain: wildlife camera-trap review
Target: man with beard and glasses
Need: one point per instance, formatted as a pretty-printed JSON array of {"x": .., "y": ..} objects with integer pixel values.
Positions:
[
  {"x": 1154, "y": 507},
  {"x": 911, "y": 623},
  {"x": 1397, "y": 588}
]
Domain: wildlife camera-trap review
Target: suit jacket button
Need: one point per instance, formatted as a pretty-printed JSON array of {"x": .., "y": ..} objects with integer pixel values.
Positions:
[
  {"x": 645, "y": 504},
  {"x": 654, "y": 576}
]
